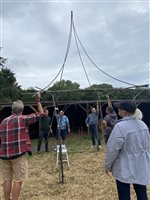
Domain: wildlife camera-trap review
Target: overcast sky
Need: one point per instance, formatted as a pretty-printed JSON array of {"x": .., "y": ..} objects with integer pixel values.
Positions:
[{"x": 115, "y": 34}]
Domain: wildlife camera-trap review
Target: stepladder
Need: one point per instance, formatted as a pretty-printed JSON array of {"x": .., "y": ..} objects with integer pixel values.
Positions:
[{"x": 64, "y": 156}]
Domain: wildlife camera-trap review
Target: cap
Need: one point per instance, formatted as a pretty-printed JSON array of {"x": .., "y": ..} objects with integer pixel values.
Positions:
[{"x": 128, "y": 106}]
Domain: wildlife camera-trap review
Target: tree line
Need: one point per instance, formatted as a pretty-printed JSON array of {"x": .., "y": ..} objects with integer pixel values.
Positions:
[{"x": 64, "y": 90}]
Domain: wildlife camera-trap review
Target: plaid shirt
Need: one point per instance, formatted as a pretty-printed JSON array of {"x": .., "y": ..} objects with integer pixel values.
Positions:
[{"x": 14, "y": 135}]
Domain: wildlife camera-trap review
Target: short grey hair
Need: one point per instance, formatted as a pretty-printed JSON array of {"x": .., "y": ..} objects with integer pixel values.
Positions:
[{"x": 17, "y": 107}]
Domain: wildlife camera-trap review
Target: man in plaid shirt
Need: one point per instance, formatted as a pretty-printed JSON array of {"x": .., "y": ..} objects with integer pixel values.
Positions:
[{"x": 14, "y": 143}]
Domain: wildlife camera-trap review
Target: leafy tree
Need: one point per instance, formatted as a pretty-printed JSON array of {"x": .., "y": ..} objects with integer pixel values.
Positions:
[
  {"x": 123, "y": 93},
  {"x": 28, "y": 94},
  {"x": 2, "y": 61},
  {"x": 97, "y": 91},
  {"x": 64, "y": 90},
  {"x": 9, "y": 88},
  {"x": 66, "y": 86}
]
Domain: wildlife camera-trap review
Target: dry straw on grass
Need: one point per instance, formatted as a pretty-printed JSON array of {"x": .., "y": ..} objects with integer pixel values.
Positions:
[{"x": 85, "y": 180}]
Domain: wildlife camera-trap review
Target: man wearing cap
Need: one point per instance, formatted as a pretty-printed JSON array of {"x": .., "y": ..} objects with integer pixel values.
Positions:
[
  {"x": 128, "y": 153},
  {"x": 14, "y": 143}
]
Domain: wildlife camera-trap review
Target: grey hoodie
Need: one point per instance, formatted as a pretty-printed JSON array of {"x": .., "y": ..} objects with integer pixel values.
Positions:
[{"x": 111, "y": 120}]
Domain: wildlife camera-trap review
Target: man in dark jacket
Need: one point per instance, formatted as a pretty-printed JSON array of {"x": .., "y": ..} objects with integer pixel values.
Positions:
[{"x": 45, "y": 127}]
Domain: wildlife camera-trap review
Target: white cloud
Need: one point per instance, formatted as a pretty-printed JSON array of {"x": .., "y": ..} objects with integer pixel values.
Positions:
[{"x": 115, "y": 35}]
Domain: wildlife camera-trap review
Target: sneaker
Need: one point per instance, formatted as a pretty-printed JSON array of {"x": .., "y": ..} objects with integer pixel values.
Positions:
[
  {"x": 93, "y": 146},
  {"x": 100, "y": 146}
]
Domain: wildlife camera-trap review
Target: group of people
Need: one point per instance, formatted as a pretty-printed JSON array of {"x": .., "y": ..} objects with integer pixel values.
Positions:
[
  {"x": 15, "y": 143},
  {"x": 45, "y": 122},
  {"x": 127, "y": 146},
  {"x": 108, "y": 123},
  {"x": 128, "y": 152}
]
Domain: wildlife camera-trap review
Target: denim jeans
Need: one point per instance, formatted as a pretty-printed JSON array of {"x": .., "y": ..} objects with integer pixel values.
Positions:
[
  {"x": 124, "y": 191},
  {"x": 94, "y": 134}
]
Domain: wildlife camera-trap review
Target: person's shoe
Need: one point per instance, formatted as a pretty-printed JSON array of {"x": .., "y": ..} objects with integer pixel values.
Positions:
[
  {"x": 38, "y": 152},
  {"x": 100, "y": 146},
  {"x": 93, "y": 146}
]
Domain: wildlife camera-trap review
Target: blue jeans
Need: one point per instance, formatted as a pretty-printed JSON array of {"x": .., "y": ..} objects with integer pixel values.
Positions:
[
  {"x": 43, "y": 134},
  {"x": 124, "y": 191},
  {"x": 94, "y": 134}
]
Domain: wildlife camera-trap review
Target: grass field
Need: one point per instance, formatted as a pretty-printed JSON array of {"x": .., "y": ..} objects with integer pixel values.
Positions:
[{"x": 85, "y": 180}]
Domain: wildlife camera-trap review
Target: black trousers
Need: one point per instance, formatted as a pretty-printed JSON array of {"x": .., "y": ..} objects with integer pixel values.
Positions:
[
  {"x": 124, "y": 191},
  {"x": 106, "y": 137},
  {"x": 43, "y": 134}
]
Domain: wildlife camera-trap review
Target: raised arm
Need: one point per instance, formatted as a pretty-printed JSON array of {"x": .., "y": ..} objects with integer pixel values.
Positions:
[
  {"x": 38, "y": 101},
  {"x": 97, "y": 106},
  {"x": 68, "y": 124},
  {"x": 109, "y": 101}
]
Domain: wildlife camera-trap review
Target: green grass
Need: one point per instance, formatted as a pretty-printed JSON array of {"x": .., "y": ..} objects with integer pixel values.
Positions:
[{"x": 75, "y": 143}]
